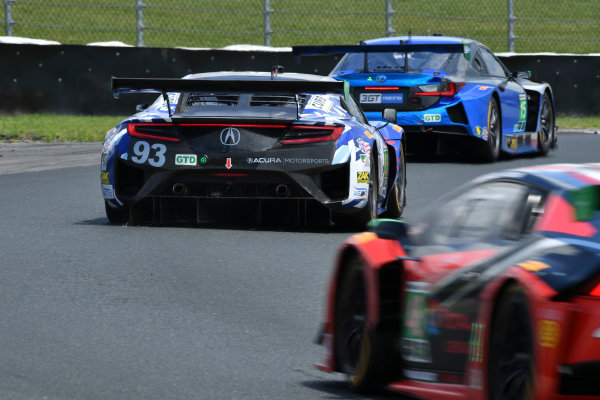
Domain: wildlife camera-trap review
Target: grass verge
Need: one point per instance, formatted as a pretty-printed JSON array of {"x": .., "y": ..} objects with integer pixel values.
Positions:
[{"x": 65, "y": 128}]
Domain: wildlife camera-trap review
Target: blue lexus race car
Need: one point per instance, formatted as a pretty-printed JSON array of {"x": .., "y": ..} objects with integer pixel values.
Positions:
[
  {"x": 448, "y": 91},
  {"x": 251, "y": 142}
]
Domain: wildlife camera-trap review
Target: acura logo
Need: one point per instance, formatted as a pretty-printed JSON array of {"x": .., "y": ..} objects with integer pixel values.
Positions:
[{"x": 230, "y": 136}]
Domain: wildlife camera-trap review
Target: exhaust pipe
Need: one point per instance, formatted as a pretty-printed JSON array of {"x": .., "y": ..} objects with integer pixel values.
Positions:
[
  {"x": 179, "y": 189},
  {"x": 282, "y": 190}
]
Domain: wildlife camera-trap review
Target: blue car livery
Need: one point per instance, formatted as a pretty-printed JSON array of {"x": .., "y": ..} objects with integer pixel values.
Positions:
[{"x": 448, "y": 88}]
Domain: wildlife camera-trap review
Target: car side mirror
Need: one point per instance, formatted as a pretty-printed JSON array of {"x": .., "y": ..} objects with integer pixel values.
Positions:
[
  {"x": 389, "y": 114},
  {"x": 522, "y": 74},
  {"x": 141, "y": 107},
  {"x": 393, "y": 229}
]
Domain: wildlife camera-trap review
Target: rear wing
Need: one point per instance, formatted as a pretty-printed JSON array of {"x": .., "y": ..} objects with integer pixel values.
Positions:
[
  {"x": 165, "y": 85},
  {"x": 298, "y": 51},
  {"x": 216, "y": 108}
]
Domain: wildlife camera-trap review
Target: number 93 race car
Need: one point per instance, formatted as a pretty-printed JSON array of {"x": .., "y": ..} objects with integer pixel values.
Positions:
[
  {"x": 493, "y": 293},
  {"x": 270, "y": 139}
]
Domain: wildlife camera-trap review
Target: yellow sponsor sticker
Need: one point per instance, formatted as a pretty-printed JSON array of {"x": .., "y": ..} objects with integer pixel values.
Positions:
[
  {"x": 548, "y": 333},
  {"x": 369, "y": 134},
  {"x": 396, "y": 128},
  {"x": 104, "y": 178},
  {"x": 533, "y": 266},
  {"x": 362, "y": 177}
]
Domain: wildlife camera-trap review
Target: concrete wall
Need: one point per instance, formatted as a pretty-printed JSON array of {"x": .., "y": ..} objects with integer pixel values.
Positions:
[{"x": 73, "y": 79}]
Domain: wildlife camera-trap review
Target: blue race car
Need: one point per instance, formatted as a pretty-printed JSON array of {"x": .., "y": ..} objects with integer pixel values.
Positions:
[
  {"x": 448, "y": 88},
  {"x": 268, "y": 139}
]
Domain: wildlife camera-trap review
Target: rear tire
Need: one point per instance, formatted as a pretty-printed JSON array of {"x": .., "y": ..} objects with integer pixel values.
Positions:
[
  {"x": 363, "y": 355},
  {"x": 511, "y": 368},
  {"x": 397, "y": 199},
  {"x": 491, "y": 147},
  {"x": 546, "y": 133},
  {"x": 116, "y": 215}
]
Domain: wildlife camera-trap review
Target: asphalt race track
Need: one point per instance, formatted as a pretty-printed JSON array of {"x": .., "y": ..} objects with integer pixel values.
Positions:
[{"x": 94, "y": 311}]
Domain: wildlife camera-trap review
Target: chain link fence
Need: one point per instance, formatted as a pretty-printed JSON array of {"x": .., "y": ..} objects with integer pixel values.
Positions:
[{"x": 504, "y": 25}]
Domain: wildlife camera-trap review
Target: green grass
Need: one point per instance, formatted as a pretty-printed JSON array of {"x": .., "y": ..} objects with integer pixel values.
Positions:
[
  {"x": 541, "y": 25},
  {"x": 61, "y": 128},
  {"x": 56, "y": 128}
]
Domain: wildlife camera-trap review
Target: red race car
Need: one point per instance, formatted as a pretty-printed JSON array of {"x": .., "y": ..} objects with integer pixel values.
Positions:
[{"x": 494, "y": 293}]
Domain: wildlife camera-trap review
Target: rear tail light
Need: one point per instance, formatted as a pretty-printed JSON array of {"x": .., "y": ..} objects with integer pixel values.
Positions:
[
  {"x": 595, "y": 291},
  {"x": 439, "y": 89},
  {"x": 165, "y": 132},
  {"x": 310, "y": 134}
]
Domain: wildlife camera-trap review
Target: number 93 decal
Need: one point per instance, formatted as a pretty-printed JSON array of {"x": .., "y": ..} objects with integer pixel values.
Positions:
[{"x": 155, "y": 154}]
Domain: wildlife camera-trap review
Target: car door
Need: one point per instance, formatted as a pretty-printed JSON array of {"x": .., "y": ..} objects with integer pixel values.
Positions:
[
  {"x": 513, "y": 99},
  {"x": 440, "y": 306}
]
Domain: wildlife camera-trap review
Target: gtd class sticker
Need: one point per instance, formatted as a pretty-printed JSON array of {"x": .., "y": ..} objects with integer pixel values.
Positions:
[{"x": 186, "y": 159}]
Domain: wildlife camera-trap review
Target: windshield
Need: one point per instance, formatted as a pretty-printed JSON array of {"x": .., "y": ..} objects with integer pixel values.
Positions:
[{"x": 421, "y": 62}]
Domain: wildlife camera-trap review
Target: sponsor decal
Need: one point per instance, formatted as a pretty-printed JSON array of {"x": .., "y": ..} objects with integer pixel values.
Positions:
[
  {"x": 393, "y": 98},
  {"x": 476, "y": 342},
  {"x": 104, "y": 178},
  {"x": 368, "y": 134},
  {"x": 363, "y": 146},
  {"x": 306, "y": 160},
  {"x": 420, "y": 375},
  {"x": 397, "y": 128},
  {"x": 432, "y": 118},
  {"x": 285, "y": 160},
  {"x": 478, "y": 131},
  {"x": 484, "y": 133},
  {"x": 533, "y": 266},
  {"x": 228, "y": 164},
  {"x": 360, "y": 192},
  {"x": 370, "y": 98},
  {"x": 381, "y": 78},
  {"x": 186, "y": 159},
  {"x": 416, "y": 350},
  {"x": 230, "y": 136},
  {"x": 264, "y": 160},
  {"x": 484, "y": 87},
  {"x": 363, "y": 158},
  {"x": 476, "y": 379},
  {"x": 108, "y": 192},
  {"x": 513, "y": 143},
  {"x": 203, "y": 160},
  {"x": 522, "y": 107},
  {"x": 467, "y": 51},
  {"x": 320, "y": 103},
  {"x": 548, "y": 333},
  {"x": 362, "y": 177}
]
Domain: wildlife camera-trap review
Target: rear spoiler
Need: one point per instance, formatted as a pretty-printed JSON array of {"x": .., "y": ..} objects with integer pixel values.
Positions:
[
  {"x": 165, "y": 85},
  {"x": 298, "y": 51}
]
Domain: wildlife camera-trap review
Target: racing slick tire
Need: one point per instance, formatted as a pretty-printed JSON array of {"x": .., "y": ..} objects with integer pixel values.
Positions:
[
  {"x": 511, "y": 368},
  {"x": 116, "y": 215},
  {"x": 491, "y": 147},
  {"x": 397, "y": 200},
  {"x": 365, "y": 356},
  {"x": 546, "y": 134},
  {"x": 370, "y": 211}
]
